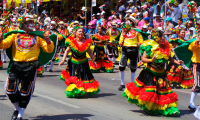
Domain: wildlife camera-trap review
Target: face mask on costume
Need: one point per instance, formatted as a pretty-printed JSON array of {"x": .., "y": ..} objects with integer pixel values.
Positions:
[
  {"x": 30, "y": 26},
  {"x": 52, "y": 27},
  {"x": 61, "y": 26},
  {"x": 15, "y": 24}
]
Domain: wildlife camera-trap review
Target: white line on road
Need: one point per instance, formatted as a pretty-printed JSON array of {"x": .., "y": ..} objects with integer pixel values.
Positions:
[{"x": 58, "y": 101}]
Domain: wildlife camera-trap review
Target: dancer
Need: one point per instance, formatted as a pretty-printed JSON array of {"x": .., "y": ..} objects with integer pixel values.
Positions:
[
  {"x": 24, "y": 52},
  {"x": 102, "y": 62},
  {"x": 151, "y": 90},
  {"x": 61, "y": 43},
  {"x": 130, "y": 40},
  {"x": 176, "y": 74},
  {"x": 112, "y": 47},
  {"x": 78, "y": 76}
]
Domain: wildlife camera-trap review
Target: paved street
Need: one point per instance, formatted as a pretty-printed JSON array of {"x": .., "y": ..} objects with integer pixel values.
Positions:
[{"x": 50, "y": 103}]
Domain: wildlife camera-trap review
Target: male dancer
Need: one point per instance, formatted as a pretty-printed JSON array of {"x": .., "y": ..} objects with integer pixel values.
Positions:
[
  {"x": 61, "y": 41},
  {"x": 112, "y": 49},
  {"x": 130, "y": 40},
  {"x": 24, "y": 46}
]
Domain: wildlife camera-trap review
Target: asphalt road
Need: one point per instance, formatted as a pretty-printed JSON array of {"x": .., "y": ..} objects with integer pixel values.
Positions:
[{"x": 50, "y": 103}]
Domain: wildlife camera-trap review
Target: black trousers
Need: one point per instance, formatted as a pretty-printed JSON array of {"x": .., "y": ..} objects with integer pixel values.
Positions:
[
  {"x": 112, "y": 51},
  {"x": 21, "y": 82},
  {"x": 129, "y": 53}
]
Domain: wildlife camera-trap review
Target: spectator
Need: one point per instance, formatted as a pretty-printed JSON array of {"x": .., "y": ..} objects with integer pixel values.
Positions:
[
  {"x": 137, "y": 11},
  {"x": 144, "y": 29},
  {"x": 151, "y": 10},
  {"x": 98, "y": 21},
  {"x": 143, "y": 2},
  {"x": 175, "y": 15},
  {"x": 158, "y": 22},
  {"x": 47, "y": 19},
  {"x": 150, "y": 28},
  {"x": 140, "y": 21},
  {"x": 128, "y": 13},
  {"x": 180, "y": 23},
  {"x": 191, "y": 33},
  {"x": 116, "y": 18},
  {"x": 92, "y": 24},
  {"x": 144, "y": 10},
  {"x": 130, "y": 6},
  {"x": 146, "y": 20},
  {"x": 121, "y": 8},
  {"x": 81, "y": 17},
  {"x": 169, "y": 26}
]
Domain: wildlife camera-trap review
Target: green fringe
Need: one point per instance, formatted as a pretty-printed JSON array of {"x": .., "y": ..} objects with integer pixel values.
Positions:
[
  {"x": 109, "y": 71},
  {"x": 74, "y": 93},
  {"x": 39, "y": 75},
  {"x": 57, "y": 61},
  {"x": 93, "y": 93},
  {"x": 95, "y": 71},
  {"x": 166, "y": 112},
  {"x": 61, "y": 78},
  {"x": 77, "y": 93},
  {"x": 8, "y": 70}
]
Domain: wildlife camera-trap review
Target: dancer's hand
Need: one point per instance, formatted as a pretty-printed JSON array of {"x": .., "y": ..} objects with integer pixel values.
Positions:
[
  {"x": 61, "y": 62},
  {"x": 154, "y": 57},
  {"x": 46, "y": 37},
  {"x": 138, "y": 44},
  {"x": 94, "y": 62},
  {"x": 180, "y": 62},
  {"x": 1, "y": 37}
]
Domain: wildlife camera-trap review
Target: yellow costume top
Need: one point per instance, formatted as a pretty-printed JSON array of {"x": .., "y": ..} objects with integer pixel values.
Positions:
[
  {"x": 13, "y": 28},
  {"x": 196, "y": 52},
  {"x": 26, "y": 47},
  {"x": 131, "y": 38},
  {"x": 112, "y": 33}
]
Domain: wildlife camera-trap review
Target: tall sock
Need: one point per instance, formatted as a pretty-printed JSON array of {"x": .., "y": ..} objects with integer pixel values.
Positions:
[
  {"x": 51, "y": 66},
  {"x": 21, "y": 112},
  {"x": 4, "y": 57},
  {"x": 132, "y": 76},
  {"x": 121, "y": 75},
  {"x": 16, "y": 104},
  {"x": 193, "y": 96}
]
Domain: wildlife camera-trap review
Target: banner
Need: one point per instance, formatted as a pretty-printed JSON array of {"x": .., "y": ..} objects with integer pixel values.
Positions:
[{"x": 94, "y": 3}]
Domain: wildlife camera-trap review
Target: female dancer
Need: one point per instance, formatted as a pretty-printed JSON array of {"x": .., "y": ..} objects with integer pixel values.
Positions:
[
  {"x": 176, "y": 74},
  {"x": 78, "y": 76},
  {"x": 151, "y": 90},
  {"x": 102, "y": 62}
]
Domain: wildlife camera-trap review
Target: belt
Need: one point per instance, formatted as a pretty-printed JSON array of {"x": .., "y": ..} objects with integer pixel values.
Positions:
[{"x": 27, "y": 64}]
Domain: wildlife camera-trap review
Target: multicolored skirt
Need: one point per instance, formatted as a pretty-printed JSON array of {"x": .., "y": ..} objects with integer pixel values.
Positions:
[
  {"x": 152, "y": 93},
  {"x": 79, "y": 80}
]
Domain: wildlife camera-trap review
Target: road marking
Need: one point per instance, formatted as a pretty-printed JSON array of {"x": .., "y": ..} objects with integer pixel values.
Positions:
[{"x": 58, "y": 101}]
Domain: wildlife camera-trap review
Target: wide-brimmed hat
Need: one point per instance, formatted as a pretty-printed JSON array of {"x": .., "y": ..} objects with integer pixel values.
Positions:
[
  {"x": 53, "y": 22},
  {"x": 130, "y": 1},
  {"x": 157, "y": 15},
  {"x": 129, "y": 11},
  {"x": 61, "y": 23},
  {"x": 23, "y": 19},
  {"x": 131, "y": 19},
  {"x": 84, "y": 9}
]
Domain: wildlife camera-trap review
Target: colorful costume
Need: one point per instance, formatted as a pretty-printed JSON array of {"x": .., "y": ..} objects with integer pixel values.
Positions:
[
  {"x": 102, "y": 62},
  {"x": 176, "y": 73},
  {"x": 27, "y": 51},
  {"x": 112, "y": 48},
  {"x": 151, "y": 90},
  {"x": 77, "y": 75}
]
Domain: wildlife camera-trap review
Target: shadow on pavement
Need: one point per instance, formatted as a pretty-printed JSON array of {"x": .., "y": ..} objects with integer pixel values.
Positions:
[
  {"x": 3, "y": 97},
  {"x": 49, "y": 75},
  {"x": 63, "y": 117},
  {"x": 98, "y": 95}
]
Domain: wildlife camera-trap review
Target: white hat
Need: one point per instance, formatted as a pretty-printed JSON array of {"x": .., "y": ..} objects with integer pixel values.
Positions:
[
  {"x": 53, "y": 22},
  {"x": 102, "y": 12},
  {"x": 30, "y": 17},
  {"x": 84, "y": 9},
  {"x": 1, "y": 22},
  {"x": 144, "y": 26},
  {"x": 93, "y": 15},
  {"x": 98, "y": 13},
  {"x": 159, "y": 29},
  {"x": 129, "y": 11},
  {"x": 131, "y": 18},
  {"x": 14, "y": 20},
  {"x": 17, "y": 8},
  {"x": 0, "y": 8},
  {"x": 76, "y": 22},
  {"x": 130, "y": 1},
  {"x": 61, "y": 23}
]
